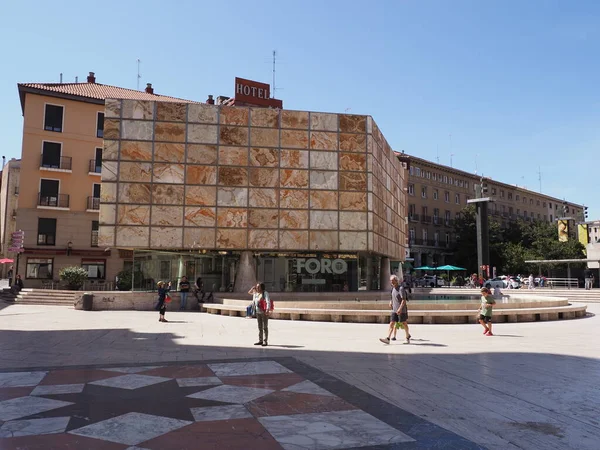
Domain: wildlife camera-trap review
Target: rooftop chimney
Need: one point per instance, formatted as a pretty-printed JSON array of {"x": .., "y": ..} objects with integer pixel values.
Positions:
[
  {"x": 91, "y": 78},
  {"x": 211, "y": 100},
  {"x": 149, "y": 88}
]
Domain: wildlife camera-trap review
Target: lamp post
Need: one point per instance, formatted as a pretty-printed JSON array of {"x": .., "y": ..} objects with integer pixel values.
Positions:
[{"x": 69, "y": 248}]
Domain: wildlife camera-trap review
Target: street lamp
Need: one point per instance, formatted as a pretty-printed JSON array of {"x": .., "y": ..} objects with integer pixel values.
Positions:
[{"x": 69, "y": 248}]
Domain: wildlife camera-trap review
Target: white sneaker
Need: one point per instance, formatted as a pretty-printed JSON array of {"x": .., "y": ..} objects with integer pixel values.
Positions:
[
  {"x": 385, "y": 340},
  {"x": 407, "y": 341}
]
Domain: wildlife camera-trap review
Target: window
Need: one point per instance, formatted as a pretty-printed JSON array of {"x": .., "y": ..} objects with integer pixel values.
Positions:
[
  {"x": 96, "y": 269},
  {"x": 435, "y": 177},
  {"x": 435, "y": 194},
  {"x": 467, "y": 184},
  {"x": 411, "y": 234},
  {"x": 447, "y": 216},
  {"x": 96, "y": 164},
  {"x": 510, "y": 210},
  {"x": 411, "y": 189},
  {"x": 51, "y": 154},
  {"x": 94, "y": 233},
  {"x": 100, "y": 125},
  {"x": 49, "y": 193},
  {"x": 531, "y": 202},
  {"x": 412, "y": 209},
  {"x": 544, "y": 204},
  {"x": 503, "y": 208},
  {"x": 424, "y": 233},
  {"x": 428, "y": 175},
  {"x": 418, "y": 171},
  {"x": 525, "y": 214},
  {"x": 450, "y": 180},
  {"x": 412, "y": 170},
  {"x": 493, "y": 191},
  {"x": 436, "y": 238},
  {"x": 518, "y": 212},
  {"x": 165, "y": 270},
  {"x": 501, "y": 193},
  {"x": 538, "y": 216},
  {"x": 517, "y": 198},
  {"x": 461, "y": 183},
  {"x": 39, "y": 268},
  {"x": 46, "y": 231},
  {"x": 457, "y": 199},
  {"x": 424, "y": 210},
  {"x": 524, "y": 200},
  {"x": 510, "y": 196},
  {"x": 445, "y": 178},
  {"x": 424, "y": 192},
  {"x": 447, "y": 197},
  {"x": 551, "y": 218},
  {"x": 436, "y": 213},
  {"x": 538, "y": 203},
  {"x": 53, "y": 118}
]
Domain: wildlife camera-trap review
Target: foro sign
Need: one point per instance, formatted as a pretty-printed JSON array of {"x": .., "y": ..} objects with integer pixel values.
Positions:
[{"x": 313, "y": 265}]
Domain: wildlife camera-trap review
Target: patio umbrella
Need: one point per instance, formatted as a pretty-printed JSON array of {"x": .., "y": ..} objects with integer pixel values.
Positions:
[
  {"x": 448, "y": 268},
  {"x": 6, "y": 261},
  {"x": 423, "y": 268}
]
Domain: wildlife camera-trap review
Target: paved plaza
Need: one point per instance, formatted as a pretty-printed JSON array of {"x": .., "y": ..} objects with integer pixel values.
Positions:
[{"x": 120, "y": 379}]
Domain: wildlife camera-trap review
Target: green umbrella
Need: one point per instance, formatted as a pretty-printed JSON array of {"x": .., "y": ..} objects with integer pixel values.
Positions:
[
  {"x": 424, "y": 268},
  {"x": 448, "y": 267}
]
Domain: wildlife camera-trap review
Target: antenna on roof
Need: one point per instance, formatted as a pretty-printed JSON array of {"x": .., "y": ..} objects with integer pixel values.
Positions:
[
  {"x": 540, "y": 177},
  {"x": 61, "y": 78},
  {"x": 274, "y": 62},
  {"x": 139, "y": 75},
  {"x": 76, "y": 79}
]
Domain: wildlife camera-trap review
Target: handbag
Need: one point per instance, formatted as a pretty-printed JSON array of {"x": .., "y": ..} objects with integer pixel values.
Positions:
[{"x": 167, "y": 298}]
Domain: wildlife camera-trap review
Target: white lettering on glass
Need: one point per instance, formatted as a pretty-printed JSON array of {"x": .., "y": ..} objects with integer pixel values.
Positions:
[{"x": 313, "y": 266}]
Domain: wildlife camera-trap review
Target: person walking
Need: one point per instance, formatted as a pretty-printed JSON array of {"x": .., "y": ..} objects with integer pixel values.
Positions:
[
  {"x": 184, "y": 290},
  {"x": 399, "y": 310},
  {"x": 485, "y": 311},
  {"x": 161, "y": 305},
  {"x": 531, "y": 281},
  {"x": 587, "y": 274},
  {"x": 199, "y": 290},
  {"x": 262, "y": 304}
]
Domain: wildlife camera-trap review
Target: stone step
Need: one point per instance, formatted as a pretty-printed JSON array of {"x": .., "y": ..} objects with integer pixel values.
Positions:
[
  {"x": 46, "y": 302},
  {"x": 43, "y": 297}
]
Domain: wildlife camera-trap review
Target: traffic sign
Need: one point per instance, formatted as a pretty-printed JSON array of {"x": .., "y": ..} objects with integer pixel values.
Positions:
[
  {"x": 18, "y": 234},
  {"x": 17, "y": 241}
]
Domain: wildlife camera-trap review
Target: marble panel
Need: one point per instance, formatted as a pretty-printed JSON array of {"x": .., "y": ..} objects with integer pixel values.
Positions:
[
  {"x": 353, "y": 220},
  {"x": 135, "y": 130},
  {"x": 203, "y": 238},
  {"x": 293, "y": 240},
  {"x": 167, "y": 215},
  {"x": 294, "y": 159},
  {"x": 322, "y": 140},
  {"x": 264, "y": 157},
  {"x": 110, "y": 150},
  {"x": 324, "y": 220},
  {"x": 264, "y": 177},
  {"x": 201, "y": 195},
  {"x": 293, "y": 218},
  {"x": 128, "y": 236},
  {"x": 232, "y": 217},
  {"x": 353, "y": 241},
  {"x": 214, "y": 413},
  {"x": 169, "y": 152},
  {"x": 168, "y": 173},
  {"x": 167, "y": 194},
  {"x": 233, "y": 176},
  {"x": 166, "y": 237},
  {"x": 263, "y": 198},
  {"x": 112, "y": 129},
  {"x": 201, "y": 134},
  {"x": 263, "y": 218},
  {"x": 232, "y": 394},
  {"x": 135, "y": 171},
  {"x": 247, "y": 368},
  {"x": 198, "y": 381},
  {"x": 109, "y": 170},
  {"x": 230, "y": 196},
  {"x": 131, "y": 428},
  {"x": 21, "y": 379},
  {"x": 232, "y": 239},
  {"x": 15, "y": 408},
  {"x": 171, "y": 111},
  {"x": 169, "y": 132},
  {"x": 138, "y": 109},
  {"x": 134, "y": 193},
  {"x": 324, "y": 240},
  {"x": 55, "y": 389},
  {"x": 323, "y": 160},
  {"x": 133, "y": 215},
  {"x": 230, "y": 135},
  {"x": 262, "y": 239},
  {"x": 353, "y": 161},
  {"x": 308, "y": 387},
  {"x": 233, "y": 156},
  {"x": 136, "y": 151},
  {"x": 233, "y": 115},
  {"x": 351, "y": 123},
  {"x": 201, "y": 154},
  {"x": 293, "y": 178},
  {"x": 202, "y": 113},
  {"x": 201, "y": 175},
  {"x": 264, "y": 117},
  {"x": 324, "y": 200},
  {"x": 294, "y": 119},
  {"x": 34, "y": 427},
  {"x": 323, "y": 121},
  {"x": 108, "y": 214},
  {"x": 108, "y": 192},
  {"x": 322, "y": 179},
  {"x": 293, "y": 199},
  {"x": 353, "y": 142},
  {"x": 106, "y": 236},
  {"x": 200, "y": 217},
  {"x": 112, "y": 108},
  {"x": 353, "y": 181},
  {"x": 264, "y": 137},
  {"x": 294, "y": 139}
]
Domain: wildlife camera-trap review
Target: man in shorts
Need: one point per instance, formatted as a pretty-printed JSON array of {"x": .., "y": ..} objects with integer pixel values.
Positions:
[{"x": 399, "y": 310}]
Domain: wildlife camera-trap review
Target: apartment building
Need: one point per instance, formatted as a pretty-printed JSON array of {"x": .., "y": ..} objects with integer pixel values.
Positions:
[
  {"x": 437, "y": 194},
  {"x": 9, "y": 195},
  {"x": 60, "y": 178}
]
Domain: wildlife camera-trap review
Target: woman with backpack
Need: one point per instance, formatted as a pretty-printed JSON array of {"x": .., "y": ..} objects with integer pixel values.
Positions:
[{"x": 262, "y": 305}]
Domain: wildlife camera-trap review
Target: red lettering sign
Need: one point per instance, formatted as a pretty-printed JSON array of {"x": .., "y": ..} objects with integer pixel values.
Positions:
[{"x": 255, "y": 93}]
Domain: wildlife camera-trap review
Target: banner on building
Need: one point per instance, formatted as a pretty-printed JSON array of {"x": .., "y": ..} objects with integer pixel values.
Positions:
[
  {"x": 582, "y": 234},
  {"x": 563, "y": 230}
]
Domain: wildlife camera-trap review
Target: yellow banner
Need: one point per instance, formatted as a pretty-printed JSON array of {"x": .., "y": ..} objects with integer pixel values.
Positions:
[
  {"x": 582, "y": 234},
  {"x": 563, "y": 230}
]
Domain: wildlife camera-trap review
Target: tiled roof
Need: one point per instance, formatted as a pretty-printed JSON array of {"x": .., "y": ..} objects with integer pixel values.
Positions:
[{"x": 97, "y": 91}]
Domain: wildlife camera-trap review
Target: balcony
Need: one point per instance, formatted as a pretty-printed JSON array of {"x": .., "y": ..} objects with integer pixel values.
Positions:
[
  {"x": 413, "y": 217},
  {"x": 93, "y": 204},
  {"x": 425, "y": 219},
  {"x": 437, "y": 221},
  {"x": 60, "y": 201},
  {"x": 94, "y": 238},
  {"x": 62, "y": 164},
  {"x": 95, "y": 167}
]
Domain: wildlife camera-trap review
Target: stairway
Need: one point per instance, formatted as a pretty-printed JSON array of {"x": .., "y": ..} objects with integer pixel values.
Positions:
[{"x": 45, "y": 297}]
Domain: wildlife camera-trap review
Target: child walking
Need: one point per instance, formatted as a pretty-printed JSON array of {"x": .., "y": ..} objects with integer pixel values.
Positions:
[{"x": 485, "y": 311}]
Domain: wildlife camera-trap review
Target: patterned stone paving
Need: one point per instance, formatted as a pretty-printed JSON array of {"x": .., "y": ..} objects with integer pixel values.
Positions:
[{"x": 279, "y": 403}]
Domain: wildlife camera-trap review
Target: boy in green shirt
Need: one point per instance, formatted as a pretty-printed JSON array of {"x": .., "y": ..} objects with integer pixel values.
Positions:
[{"x": 485, "y": 311}]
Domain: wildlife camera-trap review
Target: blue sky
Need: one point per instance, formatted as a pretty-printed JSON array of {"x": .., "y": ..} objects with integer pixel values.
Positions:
[{"x": 511, "y": 85}]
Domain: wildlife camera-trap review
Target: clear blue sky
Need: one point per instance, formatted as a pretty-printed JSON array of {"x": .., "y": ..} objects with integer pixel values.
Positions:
[{"x": 511, "y": 84}]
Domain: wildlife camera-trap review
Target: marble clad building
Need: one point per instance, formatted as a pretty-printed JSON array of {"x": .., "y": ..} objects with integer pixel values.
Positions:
[{"x": 201, "y": 180}]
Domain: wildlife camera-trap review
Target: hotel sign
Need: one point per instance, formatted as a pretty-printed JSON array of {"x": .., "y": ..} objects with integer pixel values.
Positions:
[{"x": 255, "y": 93}]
